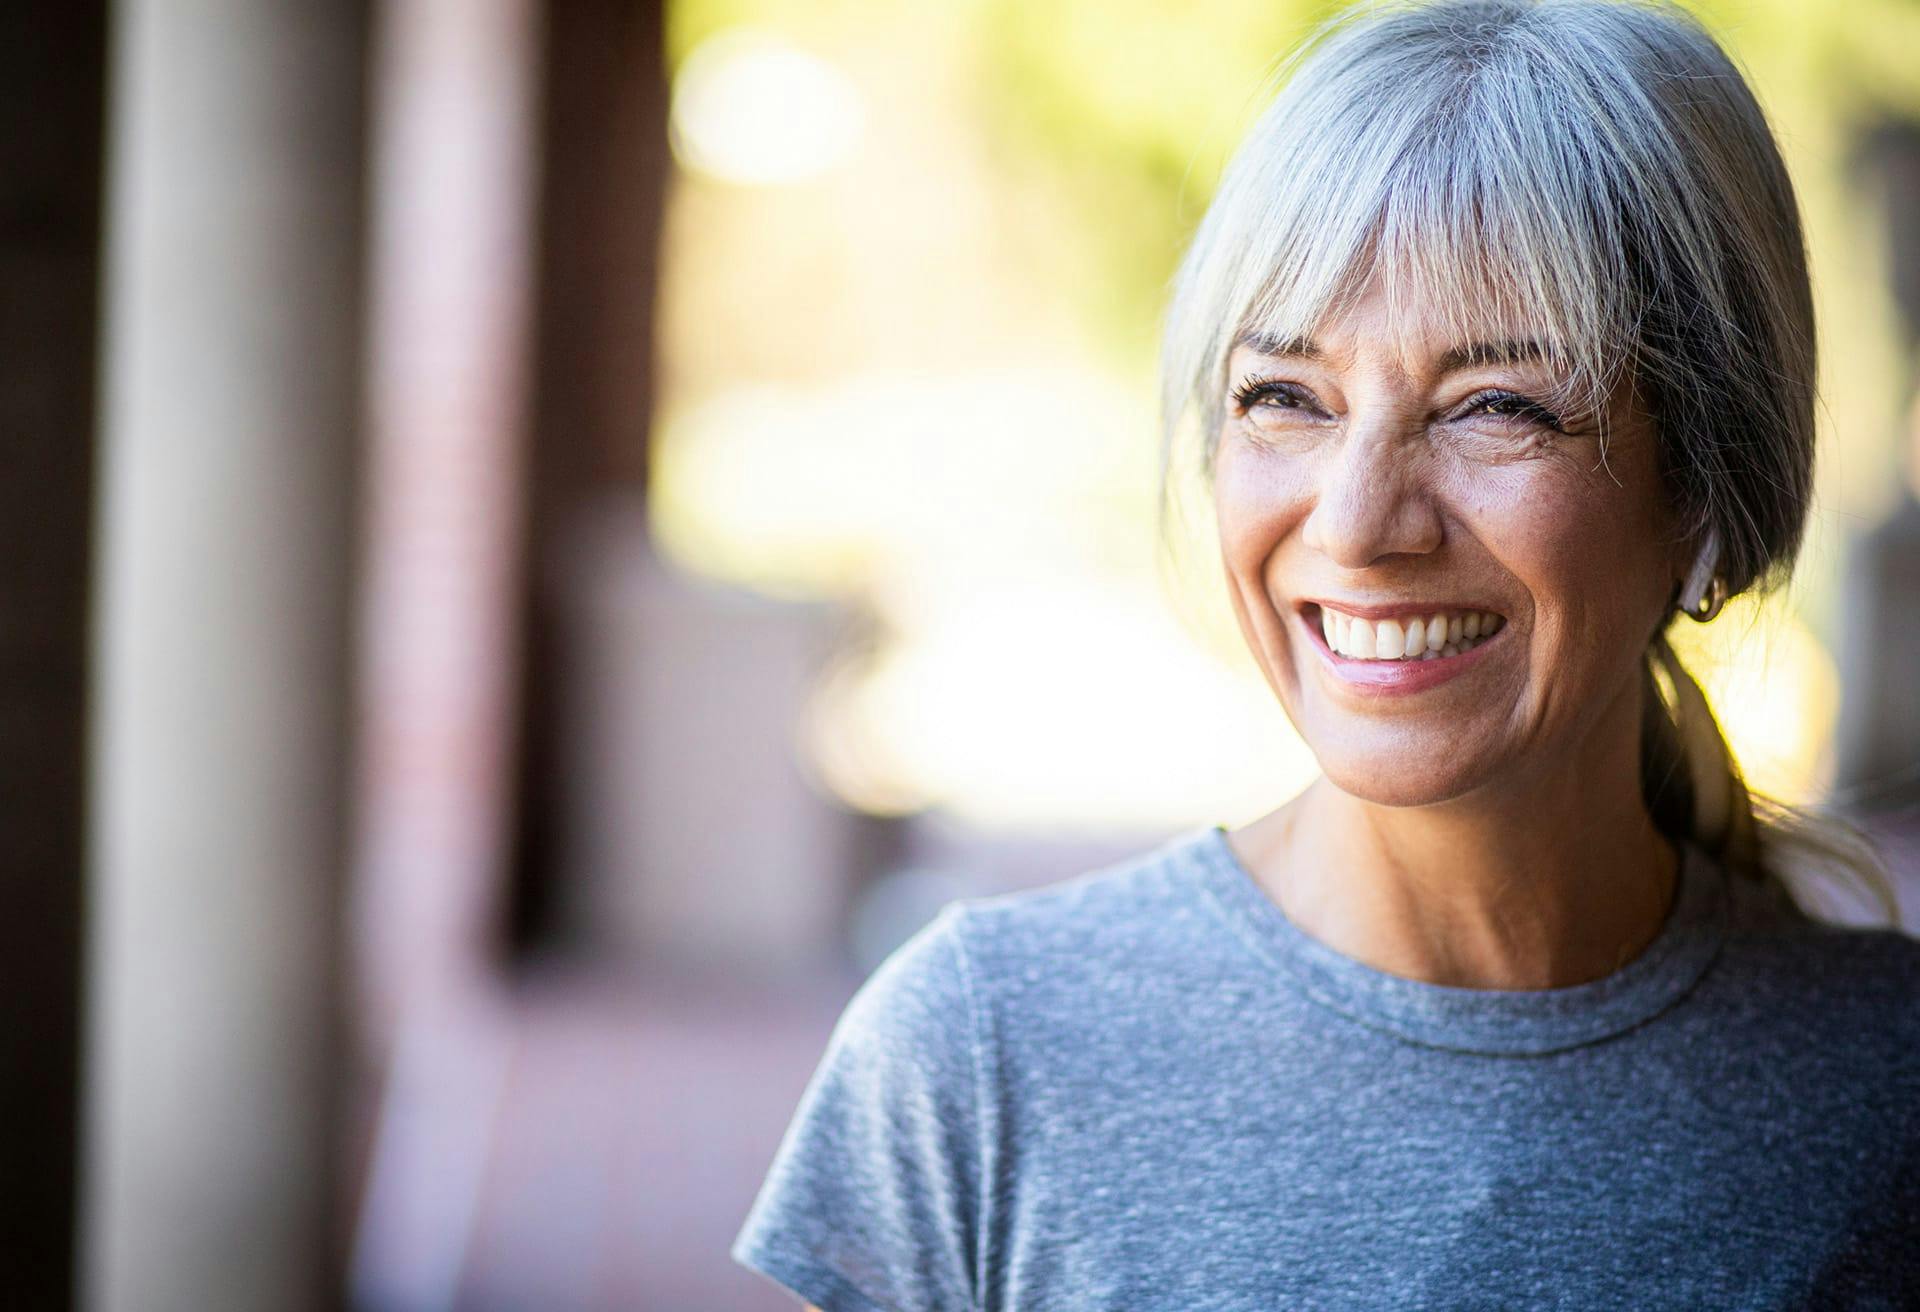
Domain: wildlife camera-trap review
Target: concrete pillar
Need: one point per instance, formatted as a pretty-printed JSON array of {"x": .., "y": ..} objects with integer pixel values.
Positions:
[
  {"x": 455, "y": 92},
  {"x": 52, "y": 62},
  {"x": 230, "y": 412}
]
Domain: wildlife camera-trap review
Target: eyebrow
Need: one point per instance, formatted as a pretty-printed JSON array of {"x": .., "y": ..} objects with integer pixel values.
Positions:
[
  {"x": 1481, "y": 353},
  {"x": 1278, "y": 346},
  {"x": 1459, "y": 357}
]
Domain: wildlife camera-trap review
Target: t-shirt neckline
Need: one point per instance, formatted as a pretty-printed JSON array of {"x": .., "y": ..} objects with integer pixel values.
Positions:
[{"x": 1494, "y": 1021}]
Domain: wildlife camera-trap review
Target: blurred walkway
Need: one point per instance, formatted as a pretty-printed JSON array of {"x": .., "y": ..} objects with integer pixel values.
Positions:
[{"x": 637, "y": 1120}]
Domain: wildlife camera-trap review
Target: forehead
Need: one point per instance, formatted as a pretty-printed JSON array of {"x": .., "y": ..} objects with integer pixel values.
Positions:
[{"x": 1430, "y": 316}]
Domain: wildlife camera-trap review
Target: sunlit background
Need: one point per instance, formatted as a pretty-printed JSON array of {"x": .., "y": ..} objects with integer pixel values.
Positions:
[
  {"x": 722, "y": 439},
  {"x": 909, "y": 317}
]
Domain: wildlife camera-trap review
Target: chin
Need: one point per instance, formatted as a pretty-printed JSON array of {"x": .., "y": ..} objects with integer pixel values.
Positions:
[{"x": 1403, "y": 774}]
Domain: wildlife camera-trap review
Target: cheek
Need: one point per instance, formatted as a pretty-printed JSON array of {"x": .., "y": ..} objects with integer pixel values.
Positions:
[
  {"x": 1586, "y": 550},
  {"x": 1258, "y": 499}
]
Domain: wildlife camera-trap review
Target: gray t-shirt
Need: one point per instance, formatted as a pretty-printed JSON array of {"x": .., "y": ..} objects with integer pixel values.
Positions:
[{"x": 1145, "y": 1088}]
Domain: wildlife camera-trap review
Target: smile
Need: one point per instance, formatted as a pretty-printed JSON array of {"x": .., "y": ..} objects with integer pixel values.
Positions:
[
  {"x": 1396, "y": 652},
  {"x": 1429, "y": 636}
]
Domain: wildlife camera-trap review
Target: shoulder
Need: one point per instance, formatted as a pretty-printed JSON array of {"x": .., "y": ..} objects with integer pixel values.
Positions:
[
  {"x": 1877, "y": 965},
  {"x": 1122, "y": 907},
  {"x": 1113, "y": 955},
  {"x": 875, "y": 1194},
  {"x": 913, "y": 1014},
  {"x": 1020, "y": 960},
  {"x": 1846, "y": 990},
  {"x": 1117, "y": 897},
  {"x": 871, "y": 1199}
]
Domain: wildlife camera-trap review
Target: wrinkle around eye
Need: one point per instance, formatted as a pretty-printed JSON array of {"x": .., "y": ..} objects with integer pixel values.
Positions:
[
  {"x": 1282, "y": 430},
  {"x": 1499, "y": 439}
]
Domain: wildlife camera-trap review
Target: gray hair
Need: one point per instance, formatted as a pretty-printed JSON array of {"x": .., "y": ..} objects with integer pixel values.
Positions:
[{"x": 1597, "y": 176}]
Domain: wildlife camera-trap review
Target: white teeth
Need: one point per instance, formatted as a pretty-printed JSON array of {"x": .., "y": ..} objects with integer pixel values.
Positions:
[
  {"x": 1428, "y": 638},
  {"x": 1389, "y": 641},
  {"x": 1360, "y": 639}
]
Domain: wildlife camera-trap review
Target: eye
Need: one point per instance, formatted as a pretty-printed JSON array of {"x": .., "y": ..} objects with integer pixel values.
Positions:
[
  {"x": 1271, "y": 393},
  {"x": 1510, "y": 405}
]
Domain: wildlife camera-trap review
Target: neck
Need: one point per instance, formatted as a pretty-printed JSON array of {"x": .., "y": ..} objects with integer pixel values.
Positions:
[{"x": 1543, "y": 880}]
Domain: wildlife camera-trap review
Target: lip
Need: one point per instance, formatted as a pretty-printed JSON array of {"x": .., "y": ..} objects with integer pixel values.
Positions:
[{"x": 1392, "y": 678}]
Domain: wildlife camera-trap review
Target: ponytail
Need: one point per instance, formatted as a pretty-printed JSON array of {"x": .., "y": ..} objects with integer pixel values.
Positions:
[{"x": 1695, "y": 792}]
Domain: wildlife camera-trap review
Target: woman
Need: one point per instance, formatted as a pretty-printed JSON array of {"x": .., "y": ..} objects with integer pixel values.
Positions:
[{"x": 1497, "y": 342}]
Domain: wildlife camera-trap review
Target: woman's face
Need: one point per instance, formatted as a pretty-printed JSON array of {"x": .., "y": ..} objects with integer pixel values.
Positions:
[{"x": 1393, "y": 486}]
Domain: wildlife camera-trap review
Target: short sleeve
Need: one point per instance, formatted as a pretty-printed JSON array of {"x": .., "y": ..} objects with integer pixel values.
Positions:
[{"x": 871, "y": 1203}]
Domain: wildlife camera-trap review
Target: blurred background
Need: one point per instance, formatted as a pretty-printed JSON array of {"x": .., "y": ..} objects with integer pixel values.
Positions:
[{"x": 544, "y": 537}]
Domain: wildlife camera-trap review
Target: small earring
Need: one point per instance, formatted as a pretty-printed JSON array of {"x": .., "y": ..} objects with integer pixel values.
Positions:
[
  {"x": 1710, "y": 605},
  {"x": 1705, "y": 590}
]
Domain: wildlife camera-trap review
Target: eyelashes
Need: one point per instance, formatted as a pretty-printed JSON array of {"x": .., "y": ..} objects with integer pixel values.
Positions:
[
  {"x": 1514, "y": 405},
  {"x": 1255, "y": 391}
]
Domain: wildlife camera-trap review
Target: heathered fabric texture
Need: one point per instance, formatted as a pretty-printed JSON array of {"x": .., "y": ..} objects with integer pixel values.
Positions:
[{"x": 1145, "y": 1088}]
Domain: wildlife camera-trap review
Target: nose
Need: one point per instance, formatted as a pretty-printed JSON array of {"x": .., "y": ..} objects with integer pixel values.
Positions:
[{"x": 1371, "y": 497}]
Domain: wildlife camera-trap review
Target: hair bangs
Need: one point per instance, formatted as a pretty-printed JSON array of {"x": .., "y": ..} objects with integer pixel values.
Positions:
[{"x": 1482, "y": 232}]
